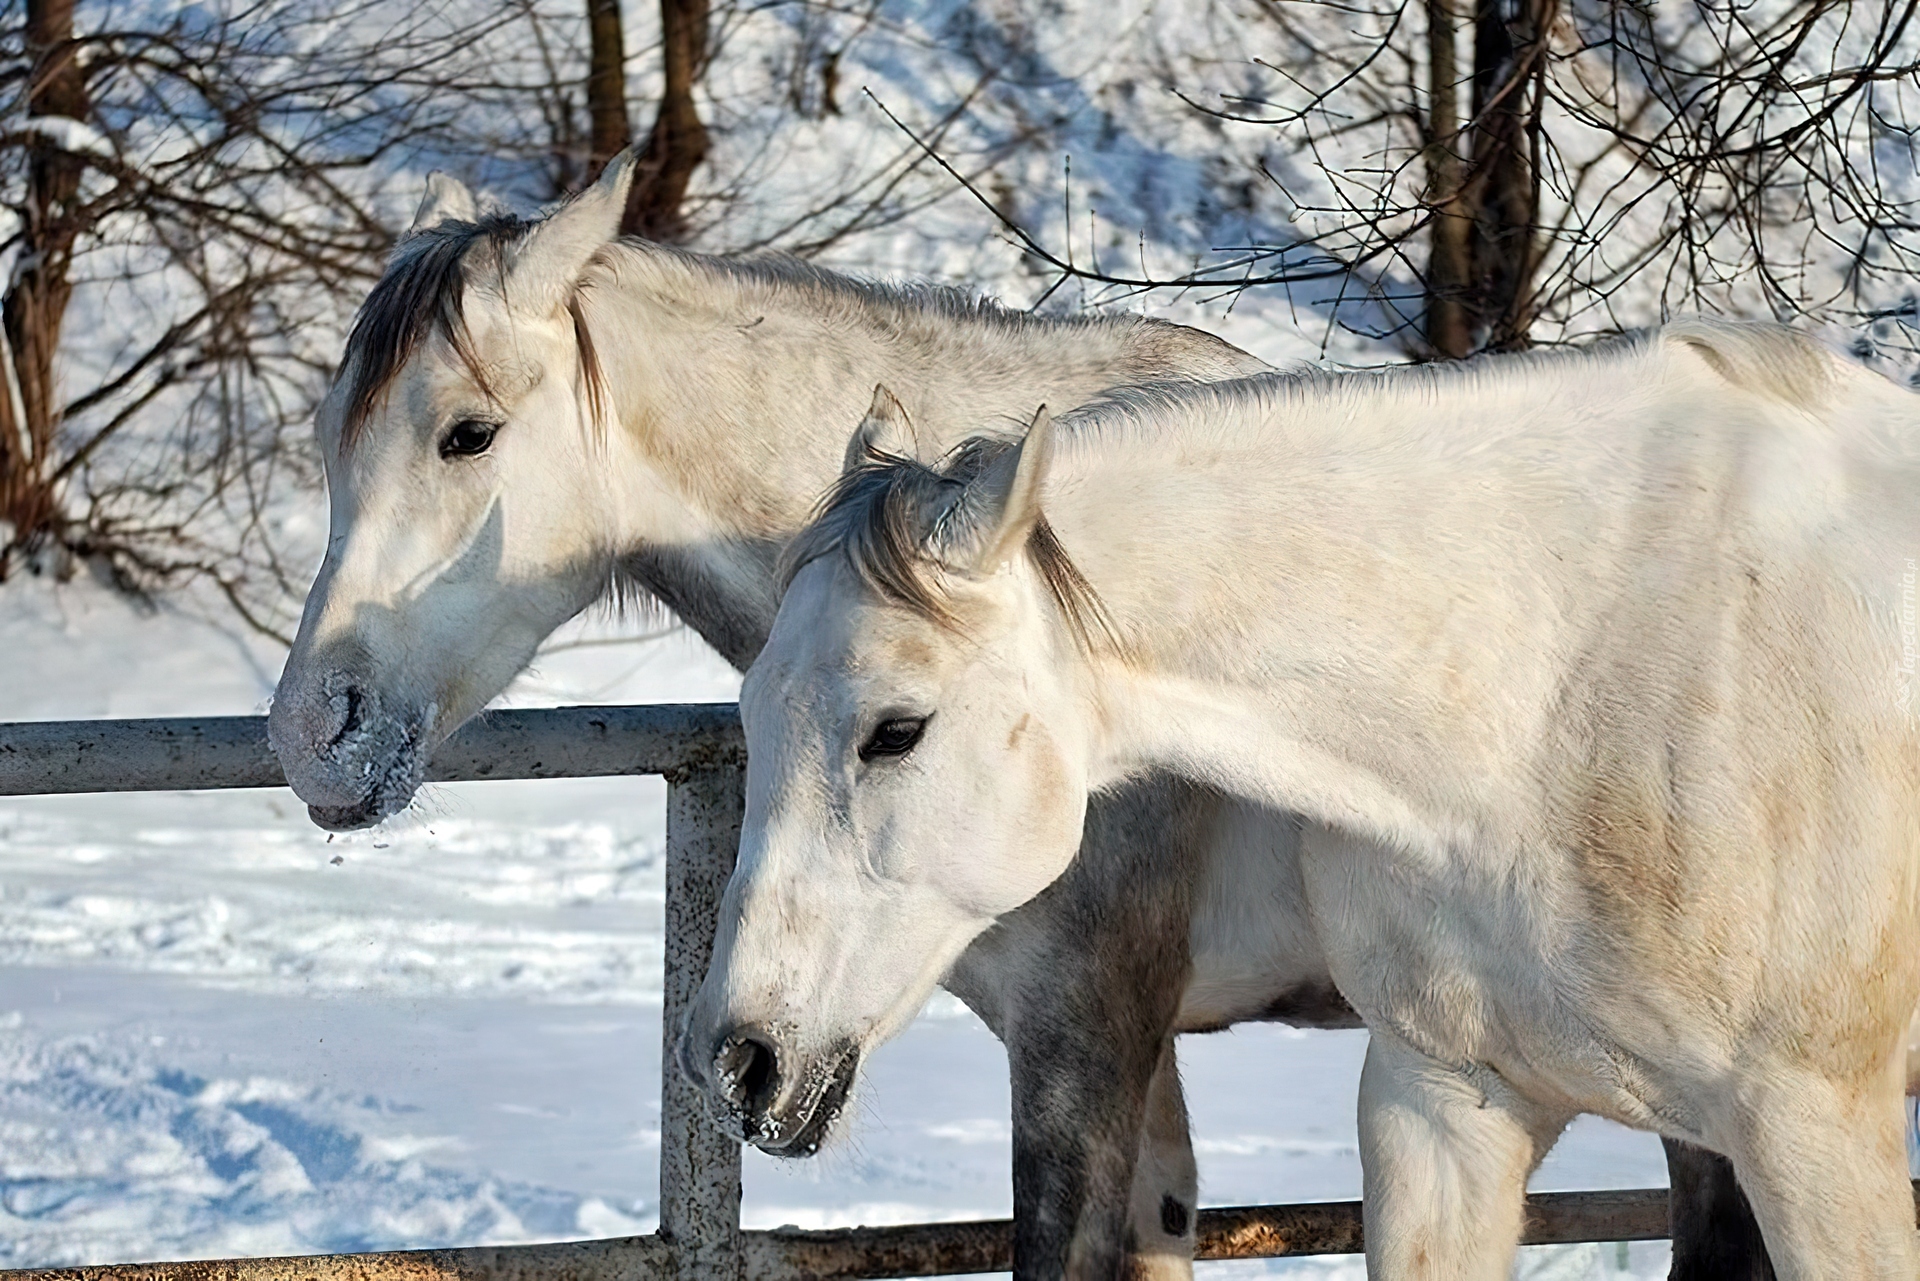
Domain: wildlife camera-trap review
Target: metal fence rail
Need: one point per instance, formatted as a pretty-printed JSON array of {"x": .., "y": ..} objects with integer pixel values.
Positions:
[
  {"x": 842, "y": 1254},
  {"x": 698, "y": 749}
]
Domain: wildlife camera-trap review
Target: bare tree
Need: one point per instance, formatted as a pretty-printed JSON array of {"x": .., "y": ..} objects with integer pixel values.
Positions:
[
  {"x": 678, "y": 141},
  {"x": 192, "y": 203},
  {"x": 1487, "y": 175},
  {"x": 31, "y": 465},
  {"x": 1483, "y": 180},
  {"x": 606, "y": 85}
]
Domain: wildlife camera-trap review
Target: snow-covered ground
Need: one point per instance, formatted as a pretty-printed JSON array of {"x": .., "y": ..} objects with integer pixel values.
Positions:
[{"x": 223, "y": 1033}]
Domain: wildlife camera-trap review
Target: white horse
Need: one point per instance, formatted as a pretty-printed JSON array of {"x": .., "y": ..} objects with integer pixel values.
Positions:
[
  {"x": 531, "y": 414},
  {"x": 1583, "y": 666}
]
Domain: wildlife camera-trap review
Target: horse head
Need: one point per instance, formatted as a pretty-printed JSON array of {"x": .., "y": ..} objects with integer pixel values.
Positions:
[
  {"x": 467, "y": 510},
  {"x": 914, "y": 771}
]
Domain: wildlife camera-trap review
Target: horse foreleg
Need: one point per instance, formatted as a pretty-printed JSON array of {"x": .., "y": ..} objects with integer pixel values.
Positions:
[
  {"x": 1445, "y": 1154},
  {"x": 1083, "y": 985},
  {"x": 1824, "y": 1164},
  {"x": 1166, "y": 1185},
  {"x": 1715, "y": 1236},
  {"x": 1084, "y": 1050}
]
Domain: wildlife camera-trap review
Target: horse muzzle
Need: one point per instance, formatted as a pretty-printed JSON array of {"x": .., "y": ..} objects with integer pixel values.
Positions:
[
  {"x": 783, "y": 1102},
  {"x": 345, "y": 752}
]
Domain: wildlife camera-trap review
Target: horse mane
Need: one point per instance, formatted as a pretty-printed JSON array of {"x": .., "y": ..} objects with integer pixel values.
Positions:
[
  {"x": 844, "y": 295},
  {"x": 897, "y": 520}
]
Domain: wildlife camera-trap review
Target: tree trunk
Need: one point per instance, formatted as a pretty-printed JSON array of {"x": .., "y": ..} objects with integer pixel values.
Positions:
[
  {"x": 1508, "y": 62},
  {"x": 36, "y": 304},
  {"x": 678, "y": 142},
  {"x": 1483, "y": 184},
  {"x": 606, "y": 85},
  {"x": 1450, "y": 257}
]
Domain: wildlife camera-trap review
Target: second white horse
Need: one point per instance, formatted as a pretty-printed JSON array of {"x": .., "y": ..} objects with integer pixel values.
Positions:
[{"x": 1584, "y": 665}]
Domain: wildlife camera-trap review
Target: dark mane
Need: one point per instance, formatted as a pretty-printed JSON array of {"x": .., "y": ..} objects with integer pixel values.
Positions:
[
  {"x": 425, "y": 288},
  {"x": 896, "y": 520}
]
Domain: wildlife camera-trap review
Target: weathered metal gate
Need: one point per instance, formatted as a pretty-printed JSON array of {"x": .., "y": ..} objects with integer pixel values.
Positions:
[{"x": 697, "y": 748}]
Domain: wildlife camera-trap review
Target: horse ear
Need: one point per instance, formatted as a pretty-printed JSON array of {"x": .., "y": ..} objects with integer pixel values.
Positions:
[
  {"x": 885, "y": 430},
  {"x": 447, "y": 200},
  {"x": 548, "y": 263},
  {"x": 1020, "y": 505}
]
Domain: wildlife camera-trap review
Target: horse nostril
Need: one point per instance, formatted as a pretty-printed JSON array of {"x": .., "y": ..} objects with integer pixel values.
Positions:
[
  {"x": 748, "y": 1072},
  {"x": 348, "y": 705}
]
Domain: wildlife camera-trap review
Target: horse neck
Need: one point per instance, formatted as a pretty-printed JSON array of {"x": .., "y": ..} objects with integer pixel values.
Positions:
[
  {"x": 737, "y": 398},
  {"x": 1315, "y": 595}
]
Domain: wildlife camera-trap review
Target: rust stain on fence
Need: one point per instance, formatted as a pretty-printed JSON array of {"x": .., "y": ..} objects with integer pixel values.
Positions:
[{"x": 1274, "y": 1231}]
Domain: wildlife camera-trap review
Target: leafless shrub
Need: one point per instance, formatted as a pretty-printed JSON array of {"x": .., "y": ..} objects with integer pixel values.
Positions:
[
  {"x": 1464, "y": 177},
  {"x": 195, "y": 198}
]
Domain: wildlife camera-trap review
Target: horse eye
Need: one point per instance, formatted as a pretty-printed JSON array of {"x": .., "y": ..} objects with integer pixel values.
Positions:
[
  {"x": 467, "y": 438},
  {"x": 894, "y": 738}
]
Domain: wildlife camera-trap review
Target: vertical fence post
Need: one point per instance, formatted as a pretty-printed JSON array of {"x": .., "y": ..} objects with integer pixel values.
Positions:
[{"x": 699, "y": 1166}]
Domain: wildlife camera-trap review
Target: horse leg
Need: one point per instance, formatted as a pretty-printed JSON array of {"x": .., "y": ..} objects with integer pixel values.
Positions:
[
  {"x": 1824, "y": 1164},
  {"x": 1166, "y": 1185},
  {"x": 1445, "y": 1154},
  {"x": 1082, "y": 985},
  {"x": 1082, "y": 1077},
  {"x": 1092, "y": 1114},
  {"x": 1715, "y": 1236}
]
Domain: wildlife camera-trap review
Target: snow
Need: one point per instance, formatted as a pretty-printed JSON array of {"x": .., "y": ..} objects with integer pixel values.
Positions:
[
  {"x": 64, "y": 132},
  {"x": 222, "y": 1033}
]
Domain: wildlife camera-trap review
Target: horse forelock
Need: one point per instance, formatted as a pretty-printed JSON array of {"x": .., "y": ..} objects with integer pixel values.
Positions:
[
  {"x": 897, "y": 522},
  {"x": 424, "y": 289}
]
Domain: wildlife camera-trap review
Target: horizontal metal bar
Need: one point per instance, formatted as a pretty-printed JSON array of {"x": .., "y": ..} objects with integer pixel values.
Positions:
[
  {"x": 907, "y": 1250},
  {"x": 1564, "y": 1218},
  {"x": 1240, "y": 1232},
  {"x": 191, "y": 753},
  {"x": 623, "y": 1259},
  {"x": 915, "y": 1249}
]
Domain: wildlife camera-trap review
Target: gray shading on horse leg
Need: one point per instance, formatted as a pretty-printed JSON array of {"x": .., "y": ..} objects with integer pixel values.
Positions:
[{"x": 1088, "y": 1024}]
